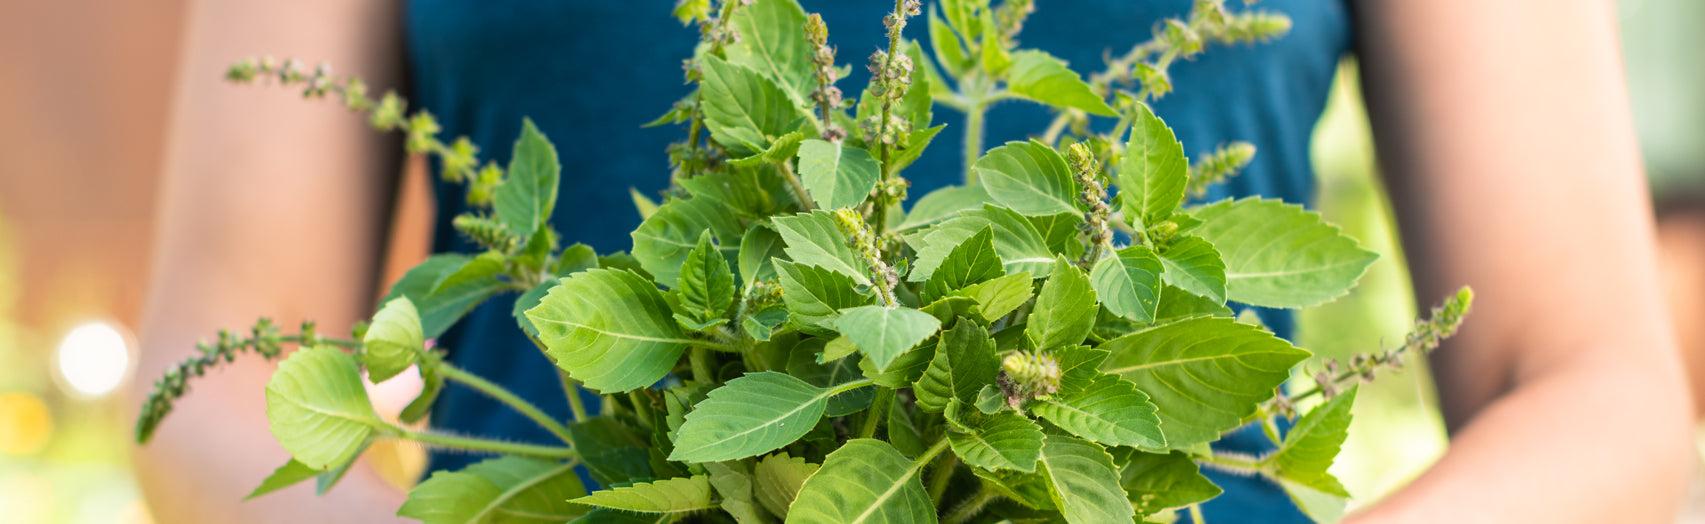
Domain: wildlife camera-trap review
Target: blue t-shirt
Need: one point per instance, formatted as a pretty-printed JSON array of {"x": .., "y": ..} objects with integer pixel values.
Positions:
[{"x": 589, "y": 72}]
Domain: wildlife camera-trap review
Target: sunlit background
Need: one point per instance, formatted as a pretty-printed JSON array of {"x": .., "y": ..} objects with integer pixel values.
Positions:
[{"x": 85, "y": 89}]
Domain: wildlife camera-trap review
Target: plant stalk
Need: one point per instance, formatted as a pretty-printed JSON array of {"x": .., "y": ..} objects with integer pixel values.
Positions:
[
  {"x": 480, "y": 444},
  {"x": 973, "y": 139},
  {"x": 500, "y": 394},
  {"x": 970, "y": 508},
  {"x": 878, "y": 411}
]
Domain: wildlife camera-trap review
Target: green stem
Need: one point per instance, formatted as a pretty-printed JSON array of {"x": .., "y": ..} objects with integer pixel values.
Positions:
[
  {"x": 973, "y": 139},
  {"x": 711, "y": 344},
  {"x": 943, "y": 476},
  {"x": 878, "y": 410},
  {"x": 1196, "y": 514},
  {"x": 798, "y": 188},
  {"x": 570, "y": 390},
  {"x": 700, "y": 358},
  {"x": 297, "y": 339},
  {"x": 480, "y": 444},
  {"x": 641, "y": 408},
  {"x": 500, "y": 394},
  {"x": 1229, "y": 462},
  {"x": 1271, "y": 428},
  {"x": 972, "y": 507},
  {"x": 575, "y": 405}
]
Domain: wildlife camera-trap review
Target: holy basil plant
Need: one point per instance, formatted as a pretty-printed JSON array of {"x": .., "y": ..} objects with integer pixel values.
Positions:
[{"x": 1053, "y": 340}]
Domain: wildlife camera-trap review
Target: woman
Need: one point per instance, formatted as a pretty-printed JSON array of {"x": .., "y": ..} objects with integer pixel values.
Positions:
[{"x": 1504, "y": 127}]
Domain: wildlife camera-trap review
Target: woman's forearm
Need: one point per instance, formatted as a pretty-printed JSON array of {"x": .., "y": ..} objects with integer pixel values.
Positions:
[{"x": 1600, "y": 442}]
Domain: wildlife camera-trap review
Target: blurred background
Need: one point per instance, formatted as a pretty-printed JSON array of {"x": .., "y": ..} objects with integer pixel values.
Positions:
[{"x": 84, "y": 95}]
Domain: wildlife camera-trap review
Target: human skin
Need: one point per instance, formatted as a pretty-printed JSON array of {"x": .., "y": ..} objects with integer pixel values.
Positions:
[
  {"x": 1506, "y": 137},
  {"x": 1503, "y": 127},
  {"x": 269, "y": 207}
]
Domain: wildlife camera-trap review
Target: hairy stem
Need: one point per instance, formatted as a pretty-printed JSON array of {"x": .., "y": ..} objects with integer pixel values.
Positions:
[
  {"x": 700, "y": 360},
  {"x": 794, "y": 184},
  {"x": 878, "y": 411},
  {"x": 942, "y": 477},
  {"x": 480, "y": 444},
  {"x": 500, "y": 394},
  {"x": 575, "y": 405},
  {"x": 971, "y": 507},
  {"x": 973, "y": 139}
]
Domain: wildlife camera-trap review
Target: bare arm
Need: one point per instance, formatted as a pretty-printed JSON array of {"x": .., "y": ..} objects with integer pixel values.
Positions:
[
  {"x": 272, "y": 206},
  {"x": 1505, "y": 130}
]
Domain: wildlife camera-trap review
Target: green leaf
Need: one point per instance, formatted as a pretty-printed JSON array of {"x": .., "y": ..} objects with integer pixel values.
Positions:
[
  {"x": 902, "y": 432},
  {"x": 1029, "y": 177},
  {"x": 1205, "y": 374},
  {"x": 964, "y": 362},
  {"x": 505, "y": 489},
  {"x": 1153, "y": 174},
  {"x": 527, "y": 196},
  {"x": 1000, "y": 296},
  {"x": 915, "y": 104},
  {"x": 1176, "y": 304},
  {"x": 762, "y": 324},
  {"x": 1281, "y": 255},
  {"x": 948, "y": 308},
  {"x": 733, "y": 482},
  {"x": 803, "y": 363},
  {"x": 393, "y": 341},
  {"x": 772, "y": 42},
  {"x": 973, "y": 261},
  {"x": 883, "y": 333},
  {"x": 612, "y": 452},
  {"x": 1313, "y": 443},
  {"x": 995, "y": 58},
  {"x": 575, "y": 258},
  {"x": 917, "y": 140},
  {"x": 1320, "y": 506},
  {"x": 816, "y": 296},
  {"x": 707, "y": 285},
  {"x": 949, "y": 50},
  {"x": 675, "y": 496},
  {"x": 1129, "y": 283},
  {"x": 1082, "y": 482},
  {"x": 744, "y": 110},
  {"x": 750, "y": 415},
  {"x": 662, "y": 242},
  {"x": 781, "y": 149},
  {"x": 432, "y": 383},
  {"x": 1060, "y": 233},
  {"x": 945, "y": 203},
  {"x": 778, "y": 478},
  {"x": 1020, "y": 248},
  {"x": 616, "y": 516},
  {"x": 837, "y": 175},
  {"x": 610, "y": 329},
  {"x": 1078, "y": 367},
  {"x": 1156, "y": 482},
  {"x": 815, "y": 239},
  {"x": 1110, "y": 411},
  {"x": 317, "y": 407},
  {"x": 752, "y": 192},
  {"x": 757, "y": 248},
  {"x": 439, "y": 309},
  {"x": 642, "y": 203},
  {"x": 866, "y": 480},
  {"x": 485, "y": 266},
  {"x": 1065, "y": 310},
  {"x": 1194, "y": 265},
  {"x": 289, "y": 474},
  {"x": 905, "y": 370},
  {"x": 1040, "y": 77},
  {"x": 530, "y": 300},
  {"x": 1004, "y": 440}
]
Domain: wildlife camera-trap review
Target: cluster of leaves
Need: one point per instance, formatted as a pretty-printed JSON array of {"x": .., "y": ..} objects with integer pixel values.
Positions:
[{"x": 784, "y": 343}]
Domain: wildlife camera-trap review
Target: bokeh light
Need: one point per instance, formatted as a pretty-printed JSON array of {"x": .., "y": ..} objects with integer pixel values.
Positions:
[
  {"x": 93, "y": 360},
  {"x": 25, "y": 424}
]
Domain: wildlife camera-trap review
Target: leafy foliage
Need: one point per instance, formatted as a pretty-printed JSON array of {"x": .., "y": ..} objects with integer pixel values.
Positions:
[{"x": 784, "y": 344}]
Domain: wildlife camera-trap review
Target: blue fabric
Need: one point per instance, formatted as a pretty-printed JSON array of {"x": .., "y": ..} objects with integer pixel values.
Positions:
[{"x": 589, "y": 72}]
